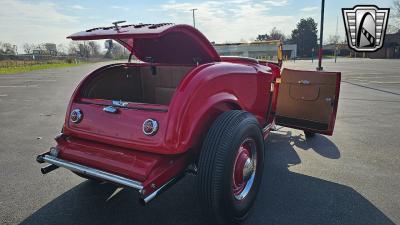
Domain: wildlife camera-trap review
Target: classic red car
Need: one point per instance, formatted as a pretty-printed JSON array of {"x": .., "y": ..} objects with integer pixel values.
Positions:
[{"x": 185, "y": 109}]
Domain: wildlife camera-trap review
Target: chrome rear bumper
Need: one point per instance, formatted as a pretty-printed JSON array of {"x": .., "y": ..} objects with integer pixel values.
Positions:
[
  {"x": 90, "y": 171},
  {"x": 144, "y": 196}
]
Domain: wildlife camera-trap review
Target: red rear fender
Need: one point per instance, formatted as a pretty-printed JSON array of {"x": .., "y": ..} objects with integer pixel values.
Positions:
[{"x": 210, "y": 90}]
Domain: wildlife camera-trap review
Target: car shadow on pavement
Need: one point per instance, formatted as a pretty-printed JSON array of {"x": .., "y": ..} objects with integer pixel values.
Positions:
[{"x": 285, "y": 197}]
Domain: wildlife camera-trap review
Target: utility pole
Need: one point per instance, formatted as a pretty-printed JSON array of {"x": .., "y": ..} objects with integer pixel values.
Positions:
[
  {"x": 336, "y": 38},
  {"x": 84, "y": 50},
  {"x": 194, "y": 19},
  {"x": 321, "y": 37}
]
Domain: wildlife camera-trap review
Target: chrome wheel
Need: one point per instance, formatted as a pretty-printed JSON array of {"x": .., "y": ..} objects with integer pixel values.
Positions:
[{"x": 244, "y": 169}]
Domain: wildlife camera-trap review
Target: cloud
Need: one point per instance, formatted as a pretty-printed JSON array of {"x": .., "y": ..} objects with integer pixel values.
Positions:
[
  {"x": 309, "y": 8},
  {"x": 120, "y": 7},
  {"x": 230, "y": 20},
  {"x": 36, "y": 22},
  {"x": 78, "y": 7},
  {"x": 276, "y": 2}
]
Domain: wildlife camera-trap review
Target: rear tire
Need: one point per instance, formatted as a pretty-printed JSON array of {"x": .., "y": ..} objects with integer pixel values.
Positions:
[{"x": 230, "y": 167}]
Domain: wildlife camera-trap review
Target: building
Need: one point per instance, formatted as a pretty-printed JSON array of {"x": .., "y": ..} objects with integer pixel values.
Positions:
[
  {"x": 266, "y": 50},
  {"x": 390, "y": 49},
  {"x": 342, "y": 49},
  {"x": 46, "y": 49}
]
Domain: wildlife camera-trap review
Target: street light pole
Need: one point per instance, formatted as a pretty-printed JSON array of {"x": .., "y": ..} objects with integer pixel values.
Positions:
[
  {"x": 321, "y": 37},
  {"x": 194, "y": 19}
]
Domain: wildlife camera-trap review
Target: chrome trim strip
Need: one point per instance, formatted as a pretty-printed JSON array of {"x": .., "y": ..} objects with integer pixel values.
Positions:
[
  {"x": 93, "y": 172},
  {"x": 120, "y": 103},
  {"x": 129, "y": 107}
]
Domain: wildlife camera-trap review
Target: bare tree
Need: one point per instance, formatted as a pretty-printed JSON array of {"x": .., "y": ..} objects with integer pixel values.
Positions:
[
  {"x": 394, "y": 22},
  {"x": 333, "y": 39},
  {"x": 28, "y": 48},
  {"x": 117, "y": 50},
  {"x": 41, "y": 47},
  {"x": 73, "y": 48},
  {"x": 84, "y": 50},
  {"x": 94, "y": 48},
  {"x": 277, "y": 34},
  {"x": 7, "y": 48},
  {"x": 62, "y": 49}
]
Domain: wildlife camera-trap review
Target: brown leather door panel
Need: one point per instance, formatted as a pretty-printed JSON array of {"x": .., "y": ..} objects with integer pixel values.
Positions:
[
  {"x": 304, "y": 92},
  {"x": 307, "y": 100}
]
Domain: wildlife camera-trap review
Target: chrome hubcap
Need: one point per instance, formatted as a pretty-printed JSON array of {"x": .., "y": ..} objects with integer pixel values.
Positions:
[
  {"x": 248, "y": 169},
  {"x": 244, "y": 169}
]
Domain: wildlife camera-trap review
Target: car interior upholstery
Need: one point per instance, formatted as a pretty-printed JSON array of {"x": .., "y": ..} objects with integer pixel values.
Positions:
[
  {"x": 307, "y": 99},
  {"x": 154, "y": 85}
]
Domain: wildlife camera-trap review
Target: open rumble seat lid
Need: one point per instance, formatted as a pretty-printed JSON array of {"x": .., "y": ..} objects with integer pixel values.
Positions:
[{"x": 157, "y": 43}]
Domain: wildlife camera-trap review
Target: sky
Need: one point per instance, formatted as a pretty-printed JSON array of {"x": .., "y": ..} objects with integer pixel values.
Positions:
[{"x": 42, "y": 21}]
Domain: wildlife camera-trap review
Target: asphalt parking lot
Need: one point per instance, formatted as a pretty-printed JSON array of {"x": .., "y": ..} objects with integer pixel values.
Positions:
[{"x": 352, "y": 177}]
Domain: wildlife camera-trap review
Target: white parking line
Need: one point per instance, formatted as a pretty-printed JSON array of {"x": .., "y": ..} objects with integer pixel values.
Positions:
[
  {"x": 40, "y": 80},
  {"x": 385, "y": 82},
  {"x": 18, "y": 86},
  {"x": 377, "y": 77}
]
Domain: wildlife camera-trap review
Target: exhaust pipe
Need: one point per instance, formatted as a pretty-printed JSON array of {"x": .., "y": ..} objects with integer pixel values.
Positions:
[
  {"x": 146, "y": 199},
  {"x": 48, "y": 168}
]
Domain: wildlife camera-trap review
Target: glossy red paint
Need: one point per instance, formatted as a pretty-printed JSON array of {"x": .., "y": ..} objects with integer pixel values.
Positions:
[
  {"x": 276, "y": 71},
  {"x": 203, "y": 94},
  {"x": 239, "y": 182},
  {"x": 244, "y": 169},
  {"x": 216, "y": 84},
  {"x": 153, "y": 170},
  {"x": 158, "y": 41}
]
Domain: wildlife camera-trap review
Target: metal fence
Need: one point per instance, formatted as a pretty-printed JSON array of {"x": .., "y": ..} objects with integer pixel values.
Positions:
[{"x": 12, "y": 61}]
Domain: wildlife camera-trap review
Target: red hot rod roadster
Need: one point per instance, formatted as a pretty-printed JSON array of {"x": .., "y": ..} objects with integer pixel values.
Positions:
[{"x": 183, "y": 108}]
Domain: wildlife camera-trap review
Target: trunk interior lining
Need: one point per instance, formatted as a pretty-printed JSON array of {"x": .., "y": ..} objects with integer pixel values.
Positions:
[{"x": 136, "y": 84}]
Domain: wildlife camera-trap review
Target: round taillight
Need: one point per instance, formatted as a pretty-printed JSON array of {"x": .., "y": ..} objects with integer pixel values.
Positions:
[
  {"x": 150, "y": 127},
  {"x": 76, "y": 116}
]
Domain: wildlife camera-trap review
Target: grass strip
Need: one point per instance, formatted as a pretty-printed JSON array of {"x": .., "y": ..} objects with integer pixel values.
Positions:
[{"x": 28, "y": 68}]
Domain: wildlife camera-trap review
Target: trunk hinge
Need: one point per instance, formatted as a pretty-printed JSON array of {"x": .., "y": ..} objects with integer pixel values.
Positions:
[{"x": 152, "y": 66}]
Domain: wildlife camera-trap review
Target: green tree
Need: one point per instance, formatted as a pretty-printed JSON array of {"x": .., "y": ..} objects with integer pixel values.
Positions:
[{"x": 305, "y": 36}]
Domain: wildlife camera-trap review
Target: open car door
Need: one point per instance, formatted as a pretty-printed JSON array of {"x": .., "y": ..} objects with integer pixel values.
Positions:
[{"x": 308, "y": 100}]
